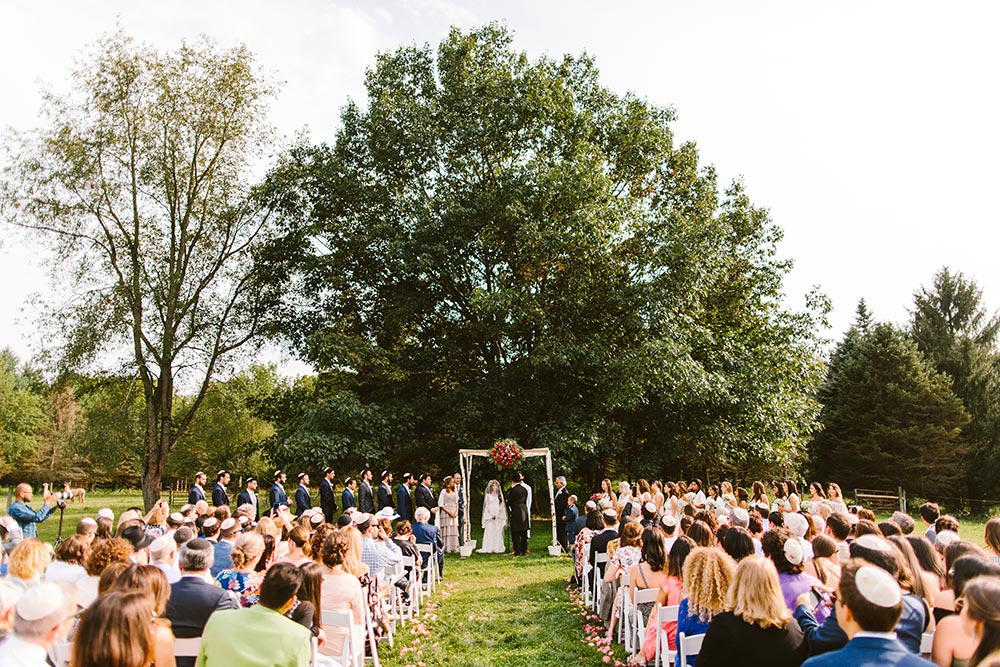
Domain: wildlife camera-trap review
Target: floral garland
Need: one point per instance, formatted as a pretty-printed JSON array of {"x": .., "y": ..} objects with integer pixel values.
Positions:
[{"x": 506, "y": 452}]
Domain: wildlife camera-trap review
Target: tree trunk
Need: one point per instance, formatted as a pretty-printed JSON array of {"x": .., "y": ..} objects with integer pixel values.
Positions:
[{"x": 159, "y": 436}]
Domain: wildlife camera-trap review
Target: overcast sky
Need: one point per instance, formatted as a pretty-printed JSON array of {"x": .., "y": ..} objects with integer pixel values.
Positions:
[{"x": 869, "y": 130}]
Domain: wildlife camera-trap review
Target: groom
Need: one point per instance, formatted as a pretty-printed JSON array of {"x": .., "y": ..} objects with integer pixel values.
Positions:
[{"x": 517, "y": 502}]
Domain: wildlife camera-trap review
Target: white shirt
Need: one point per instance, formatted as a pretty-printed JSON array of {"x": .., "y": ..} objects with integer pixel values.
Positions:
[
  {"x": 59, "y": 570},
  {"x": 876, "y": 635},
  {"x": 19, "y": 653},
  {"x": 699, "y": 499},
  {"x": 668, "y": 543}
]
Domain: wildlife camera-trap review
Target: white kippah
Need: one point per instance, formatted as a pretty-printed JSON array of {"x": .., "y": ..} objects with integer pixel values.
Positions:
[
  {"x": 177, "y": 517},
  {"x": 244, "y": 519},
  {"x": 873, "y": 542},
  {"x": 740, "y": 516},
  {"x": 39, "y": 601},
  {"x": 360, "y": 517},
  {"x": 610, "y": 514},
  {"x": 9, "y": 595},
  {"x": 161, "y": 544},
  {"x": 668, "y": 520},
  {"x": 209, "y": 522},
  {"x": 724, "y": 520},
  {"x": 650, "y": 507},
  {"x": 877, "y": 586},
  {"x": 793, "y": 551},
  {"x": 228, "y": 523},
  {"x": 796, "y": 523},
  {"x": 105, "y": 513},
  {"x": 946, "y": 537},
  {"x": 316, "y": 519},
  {"x": 818, "y": 523},
  {"x": 88, "y": 521},
  {"x": 591, "y": 505}
]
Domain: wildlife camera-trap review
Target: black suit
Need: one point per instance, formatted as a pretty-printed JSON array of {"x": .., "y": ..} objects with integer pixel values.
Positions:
[
  {"x": 327, "y": 501},
  {"x": 562, "y": 501},
  {"x": 423, "y": 497},
  {"x": 385, "y": 496},
  {"x": 520, "y": 522},
  {"x": 366, "y": 500},
  {"x": 599, "y": 545},
  {"x": 219, "y": 496},
  {"x": 248, "y": 497},
  {"x": 192, "y": 600}
]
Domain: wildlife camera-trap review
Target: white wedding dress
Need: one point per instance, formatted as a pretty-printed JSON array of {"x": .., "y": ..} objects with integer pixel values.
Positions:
[{"x": 494, "y": 520}]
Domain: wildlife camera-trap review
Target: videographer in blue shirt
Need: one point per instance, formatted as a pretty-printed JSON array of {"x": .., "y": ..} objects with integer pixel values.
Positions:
[{"x": 26, "y": 517}]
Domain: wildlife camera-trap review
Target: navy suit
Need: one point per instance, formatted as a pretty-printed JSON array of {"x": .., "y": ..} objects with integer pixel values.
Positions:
[
  {"x": 427, "y": 533},
  {"x": 347, "y": 499},
  {"x": 192, "y": 600},
  {"x": 869, "y": 652},
  {"x": 219, "y": 497},
  {"x": 404, "y": 503},
  {"x": 195, "y": 494},
  {"x": 327, "y": 501},
  {"x": 223, "y": 557},
  {"x": 829, "y": 636},
  {"x": 302, "y": 500},
  {"x": 385, "y": 496},
  {"x": 248, "y": 497},
  {"x": 278, "y": 495}
]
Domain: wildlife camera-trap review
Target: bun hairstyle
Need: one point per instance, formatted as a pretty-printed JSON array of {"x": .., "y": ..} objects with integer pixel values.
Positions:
[
  {"x": 248, "y": 548},
  {"x": 334, "y": 549}
]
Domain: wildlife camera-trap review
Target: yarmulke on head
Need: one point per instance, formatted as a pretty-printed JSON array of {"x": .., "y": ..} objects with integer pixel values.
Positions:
[
  {"x": 793, "y": 551},
  {"x": 877, "y": 586},
  {"x": 39, "y": 601}
]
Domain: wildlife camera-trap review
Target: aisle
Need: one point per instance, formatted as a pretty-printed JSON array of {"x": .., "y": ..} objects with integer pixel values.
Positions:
[{"x": 499, "y": 610}]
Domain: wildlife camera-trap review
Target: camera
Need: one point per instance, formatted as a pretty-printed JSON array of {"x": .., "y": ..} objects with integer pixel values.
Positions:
[{"x": 62, "y": 504}]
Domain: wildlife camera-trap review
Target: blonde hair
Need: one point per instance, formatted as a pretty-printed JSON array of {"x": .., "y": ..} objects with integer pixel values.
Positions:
[
  {"x": 706, "y": 575},
  {"x": 29, "y": 559},
  {"x": 352, "y": 559},
  {"x": 247, "y": 550},
  {"x": 266, "y": 526},
  {"x": 755, "y": 594}
]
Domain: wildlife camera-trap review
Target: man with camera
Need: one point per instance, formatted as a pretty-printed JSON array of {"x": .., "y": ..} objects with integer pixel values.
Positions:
[{"x": 25, "y": 516}]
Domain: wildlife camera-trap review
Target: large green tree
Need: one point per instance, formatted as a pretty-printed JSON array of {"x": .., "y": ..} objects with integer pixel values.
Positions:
[
  {"x": 953, "y": 329},
  {"x": 889, "y": 418},
  {"x": 140, "y": 182},
  {"x": 24, "y": 417},
  {"x": 496, "y": 246}
]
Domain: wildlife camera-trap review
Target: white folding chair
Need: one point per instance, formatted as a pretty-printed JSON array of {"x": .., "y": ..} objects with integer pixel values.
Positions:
[
  {"x": 429, "y": 571},
  {"x": 926, "y": 644},
  {"x": 663, "y": 652},
  {"x": 353, "y": 652},
  {"x": 370, "y": 631},
  {"x": 62, "y": 653},
  {"x": 187, "y": 647},
  {"x": 642, "y": 596},
  {"x": 624, "y": 611},
  {"x": 588, "y": 590},
  {"x": 688, "y": 647},
  {"x": 599, "y": 559}
]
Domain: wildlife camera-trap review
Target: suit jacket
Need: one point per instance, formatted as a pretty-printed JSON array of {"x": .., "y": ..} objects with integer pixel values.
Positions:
[
  {"x": 599, "y": 545},
  {"x": 195, "y": 494},
  {"x": 404, "y": 503},
  {"x": 829, "y": 636},
  {"x": 869, "y": 652},
  {"x": 248, "y": 497},
  {"x": 366, "y": 501},
  {"x": 302, "y": 500},
  {"x": 223, "y": 557},
  {"x": 423, "y": 497},
  {"x": 278, "y": 495},
  {"x": 428, "y": 533},
  {"x": 254, "y": 637},
  {"x": 562, "y": 500},
  {"x": 219, "y": 496},
  {"x": 327, "y": 501},
  {"x": 192, "y": 601},
  {"x": 517, "y": 502},
  {"x": 347, "y": 499},
  {"x": 385, "y": 496}
]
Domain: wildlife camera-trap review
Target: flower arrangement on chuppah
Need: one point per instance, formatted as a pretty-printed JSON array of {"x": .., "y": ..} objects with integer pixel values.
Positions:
[{"x": 506, "y": 452}]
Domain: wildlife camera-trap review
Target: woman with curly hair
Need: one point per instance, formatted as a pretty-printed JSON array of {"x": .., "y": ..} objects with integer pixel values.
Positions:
[
  {"x": 70, "y": 556},
  {"x": 243, "y": 578},
  {"x": 707, "y": 576},
  {"x": 341, "y": 590},
  {"x": 756, "y": 629},
  {"x": 111, "y": 550},
  {"x": 28, "y": 561}
]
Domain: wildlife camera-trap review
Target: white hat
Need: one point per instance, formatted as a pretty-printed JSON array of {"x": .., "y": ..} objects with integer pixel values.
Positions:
[
  {"x": 360, "y": 517},
  {"x": 740, "y": 517},
  {"x": 946, "y": 537},
  {"x": 668, "y": 520},
  {"x": 228, "y": 523},
  {"x": 209, "y": 522},
  {"x": 9, "y": 595},
  {"x": 162, "y": 544},
  {"x": 591, "y": 505},
  {"x": 796, "y": 523},
  {"x": 88, "y": 521},
  {"x": 106, "y": 513},
  {"x": 873, "y": 542},
  {"x": 387, "y": 513},
  {"x": 177, "y": 517},
  {"x": 723, "y": 520},
  {"x": 40, "y": 601},
  {"x": 316, "y": 519},
  {"x": 610, "y": 514},
  {"x": 877, "y": 586},
  {"x": 793, "y": 551},
  {"x": 244, "y": 519},
  {"x": 650, "y": 507}
]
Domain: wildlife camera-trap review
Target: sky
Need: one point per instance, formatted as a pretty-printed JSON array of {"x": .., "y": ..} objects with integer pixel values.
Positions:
[{"x": 868, "y": 130}]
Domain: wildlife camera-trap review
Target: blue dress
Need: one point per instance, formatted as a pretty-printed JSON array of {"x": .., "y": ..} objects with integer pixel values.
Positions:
[{"x": 689, "y": 625}]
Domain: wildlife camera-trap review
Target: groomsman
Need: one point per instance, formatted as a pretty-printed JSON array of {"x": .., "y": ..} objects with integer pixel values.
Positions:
[
  {"x": 248, "y": 496},
  {"x": 327, "y": 501},
  {"x": 347, "y": 498},
  {"x": 385, "y": 491},
  {"x": 302, "y": 500},
  {"x": 404, "y": 499},
  {"x": 424, "y": 497},
  {"x": 366, "y": 498},
  {"x": 219, "y": 496},
  {"x": 561, "y": 501},
  {"x": 460, "y": 490},
  {"x": 197, "y": 491},
  {"x": 277, "y": 492}
]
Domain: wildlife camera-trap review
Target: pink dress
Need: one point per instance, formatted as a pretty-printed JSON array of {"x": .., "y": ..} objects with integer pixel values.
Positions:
[
  {"x": 672, "y": 585},
  {"x": 341, "y": 592}
]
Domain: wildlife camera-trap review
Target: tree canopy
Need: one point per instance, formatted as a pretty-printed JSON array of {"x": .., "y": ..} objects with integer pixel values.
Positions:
[{"x": 495, "y": 246}]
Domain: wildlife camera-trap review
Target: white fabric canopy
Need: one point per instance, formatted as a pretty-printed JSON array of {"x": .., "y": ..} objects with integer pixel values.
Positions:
[{"x": 466, "y": 456}]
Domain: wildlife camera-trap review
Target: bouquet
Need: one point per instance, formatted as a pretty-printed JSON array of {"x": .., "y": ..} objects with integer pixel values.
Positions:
[{"x": 506, "y": 452}]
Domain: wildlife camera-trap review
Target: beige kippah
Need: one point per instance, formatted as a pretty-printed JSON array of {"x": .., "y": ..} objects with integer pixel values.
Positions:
[
  {"x": 793, "y": 551},
  {"x": 877, "y": 586},
  {"x": 40, "y": 601},
  {"x": 873, "y": 542}
]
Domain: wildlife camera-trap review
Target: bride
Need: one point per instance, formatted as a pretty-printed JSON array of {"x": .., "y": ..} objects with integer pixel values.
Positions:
[{"x": 494, "y": 519}]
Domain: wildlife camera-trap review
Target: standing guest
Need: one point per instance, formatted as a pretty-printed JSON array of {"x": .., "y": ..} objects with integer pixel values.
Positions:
[
  {"x": 224, "y": 546},
  {"x": 366, "y": 496},
  {"x": 341, "y": 591},
  {"x": 427, "y": 533},
  {"x": 404, "y": 499},
  {"x": 27, "y": 563},
  {"x": 423, "y": 497},
  {"x": 517, "y": 512},
  {"x": 219, "y": 496},
  {"x": 460, "y": 490},
  {"x": 248, "y": 496},
  {"x": 41, "y": 618},
  {"x": 302, "y": 500},
  {"x": 242, "y": 578},
  {"x": 562, "y": 502},
  {"x": 448, "y": 516},
  {"x": 24, "y": 515},
  {"x": 707, "y": 576},
  {"x": 868, "y": 605},
  {"x": 835, "y": 497},
  {"x": 569, "y": 518},
  {"x": 197, "y": 491},
  {"x": 981, "y": 612},
  {"x": 385, "y": 491},
  {"x": 260, "y": 636},
  {"x": 277, "y": 494},
  {"x": 327, "y": 500},
  {"x": 756, "y": 629},
  {"x": 347, "y": 498},
  {"x": 70, "y": 556},
  {"x": 193, "y": 599},
  {"x": 608, "y": 494}
]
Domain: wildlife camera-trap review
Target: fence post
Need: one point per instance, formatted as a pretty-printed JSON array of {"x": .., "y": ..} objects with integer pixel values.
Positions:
[{"x": 902, "y": 500}]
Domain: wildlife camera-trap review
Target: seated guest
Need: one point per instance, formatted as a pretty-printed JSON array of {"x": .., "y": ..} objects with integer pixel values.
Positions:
[
  {"x": 379, "y": 550},
  {"x": 944, "y": 601},
  {"x": 649, "y": 572},
  {"x": 115, "y": 631},
  {"x": 599, "y": 542},
  {"x": 298, "y": 547},
  {"x": 151, "y": 581},
  {"x": 671, "y": 588},
  {"x": 111, "y": 550},
  {"x": 991, "y": 537},
  {"x": 738, "y": 543},
  {"x": 308, "y": 601},
  {"x": 825, "y": 564},
  {"x": 785, "y": 551},
  {"x": 42, "y": 617},
  {"x": 341, "y": 591},
  {"x": 581, "y": 550},
  {"x": 9, "y": 595},
  {"x": 28, "y": 561},
  {"x": 87, "y": 527},
  {"x": 868, "y": 606},
  {"x": 70, "y": 556},
  {"x": 707, "y": 575},
  {"x": 756, "y": 629},
  {"x": 981, "y": 611},
  {"x": 163, "y": 555},
  {"x": 954, "y": 639},
  {"x": 194, "y": 598},
  {"x": 259, "y": 636},
  {"x": 242, "y": 578},
  {"x": 228, "y": 530},
  {"x": 427, "y": 533}
]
